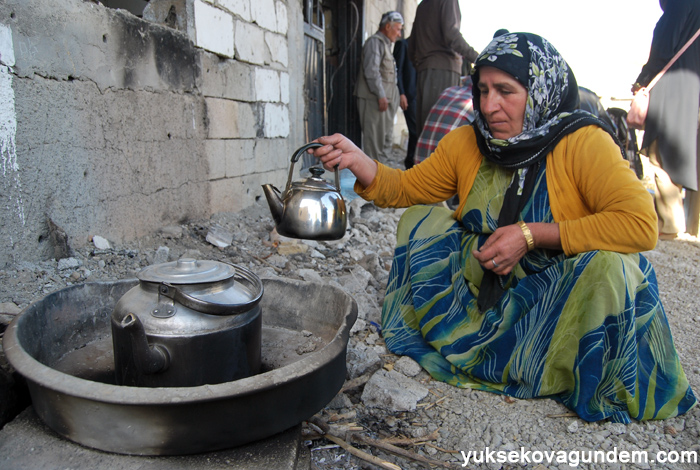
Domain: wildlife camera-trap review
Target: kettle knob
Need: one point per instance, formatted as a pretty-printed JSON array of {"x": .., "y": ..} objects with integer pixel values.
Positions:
[{"x": 316, "y": 171}]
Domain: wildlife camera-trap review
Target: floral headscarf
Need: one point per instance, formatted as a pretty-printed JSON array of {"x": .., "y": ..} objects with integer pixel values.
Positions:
[
  {"x": 550, "y": 114},
  {"x": 551, "y": 108}
]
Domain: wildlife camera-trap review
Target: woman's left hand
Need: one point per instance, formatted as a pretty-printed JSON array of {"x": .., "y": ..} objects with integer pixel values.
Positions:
[{"x": 502, "y": 250}]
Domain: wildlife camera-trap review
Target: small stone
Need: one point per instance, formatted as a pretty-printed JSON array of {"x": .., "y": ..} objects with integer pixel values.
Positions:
[
  {"x": 291, "y": 248},
  {"x": 278, "y": 261},
  {"x": 100, "y": 243},
  {"x": 407, "y": 367},
  {"x": 573, "y": 427},
  {"x": 65, "y": 264},
  {"x": 305, "y": 348},
  {"x": 173, "y": 232},
  {"x": 392, "y": 391},
  {"x": 341, "y": 400},
  {"x": 361, "y": 362},
  {"x": 162, "y": 254},
  {"x": 317, "y": 254},
  {"x": 10, "y": 308},
  {"x": 311, "y": 275},
  {"x": 372, "y": 339},
  {"x": 616, "y": 428},
  {"x": 359, "y": 325},
  {"x": 356, "y": 281},
  {"x": 220, "y": 237},
  {"x": 390, "y": 421}
]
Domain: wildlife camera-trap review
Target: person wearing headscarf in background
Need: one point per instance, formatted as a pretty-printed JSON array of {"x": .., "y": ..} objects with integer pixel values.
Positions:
[
  {"x": 671, "y": 128},
  {"x": 535, "y": 285},
  {"x": 376, "y": 89}
]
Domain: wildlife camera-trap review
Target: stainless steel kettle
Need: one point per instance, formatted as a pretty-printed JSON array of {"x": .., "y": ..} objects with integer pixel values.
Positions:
[
  {"x": 188, "y": 323},
  {"x": 311, "y": 209}
]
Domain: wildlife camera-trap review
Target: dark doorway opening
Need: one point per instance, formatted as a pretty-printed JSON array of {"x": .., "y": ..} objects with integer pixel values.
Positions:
[{"x": 344, "y": 19}]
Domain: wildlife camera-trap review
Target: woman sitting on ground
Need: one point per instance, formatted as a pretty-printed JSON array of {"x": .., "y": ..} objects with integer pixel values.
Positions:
[{"x": 535, "y": 285}]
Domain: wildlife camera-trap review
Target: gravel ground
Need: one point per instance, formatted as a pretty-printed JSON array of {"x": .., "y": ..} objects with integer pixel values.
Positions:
[{"x": 387, "y": 398}]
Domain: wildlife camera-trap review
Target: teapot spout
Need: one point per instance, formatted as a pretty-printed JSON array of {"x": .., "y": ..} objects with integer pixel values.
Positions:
[
  {"x": 133, "y": 352},
  {"x": 274, "y": 200}
]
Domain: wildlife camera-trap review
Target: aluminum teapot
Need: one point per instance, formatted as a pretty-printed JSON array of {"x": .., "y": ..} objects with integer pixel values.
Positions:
[
  {"x": 188, "y": 323},
  {"x": 311, "y": 209}
]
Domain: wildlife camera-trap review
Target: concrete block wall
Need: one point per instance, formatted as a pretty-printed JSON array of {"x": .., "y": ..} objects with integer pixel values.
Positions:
[
  {"x": 247, "y": 99},
  {"x": 114, "y": 125}
]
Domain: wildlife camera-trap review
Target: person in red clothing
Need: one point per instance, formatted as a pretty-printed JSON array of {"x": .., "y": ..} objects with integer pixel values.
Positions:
[{"x": 453, "y": 108}]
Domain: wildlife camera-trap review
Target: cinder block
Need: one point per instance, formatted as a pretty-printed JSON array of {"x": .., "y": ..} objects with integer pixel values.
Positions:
[
  {"x": 249, "y": 39},
  {"x": 240, "y": 157},
  {"x": 267, "y": 85},
  {"x": 228, "y": 195},
  {"x": 282, "y": 18},
  {"x": 276, "y": 122},
  {"x": 235, "y": 194},
  {"x": 284, "y": 87},
  {"x": 215, "y": 29},
  {"x": 279, "y": 51},
  {"x": 222, "y": 118},
  {"x": 230, "y": 79},
  {"x": 264, "y": 14},
  {"x": 215, "y": 151},
  {"x": 238, "y": 7},
  {"x": 273, "y": 154},
  {"x": 247, "y": 121}
]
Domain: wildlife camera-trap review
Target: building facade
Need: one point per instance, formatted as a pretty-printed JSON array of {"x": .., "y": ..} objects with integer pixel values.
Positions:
[{"x": 124, "y": 116}]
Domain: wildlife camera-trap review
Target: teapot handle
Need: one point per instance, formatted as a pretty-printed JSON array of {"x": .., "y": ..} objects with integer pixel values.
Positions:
[
  {"x": 295, "y": 158},
  {"x": 171, "y": 291}
]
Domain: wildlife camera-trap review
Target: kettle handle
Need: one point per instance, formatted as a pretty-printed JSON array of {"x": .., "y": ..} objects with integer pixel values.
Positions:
[
  {"x": 295, "y": 158},
  {"x": 172, "y": 292}
]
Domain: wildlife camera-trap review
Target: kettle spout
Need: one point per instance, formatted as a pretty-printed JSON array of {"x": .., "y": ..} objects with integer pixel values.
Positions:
[
  {"x": 147, "y": 359},
  {"x": 274, "y": 200}
]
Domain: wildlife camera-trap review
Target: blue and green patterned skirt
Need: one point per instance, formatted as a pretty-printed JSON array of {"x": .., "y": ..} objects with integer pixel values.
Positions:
[{"x": 588, "y": 330}]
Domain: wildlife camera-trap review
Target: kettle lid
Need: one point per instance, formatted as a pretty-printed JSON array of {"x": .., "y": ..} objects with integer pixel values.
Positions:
[
  {"x": 187, "y": 271},
  {"x": 315, "y": 181}
]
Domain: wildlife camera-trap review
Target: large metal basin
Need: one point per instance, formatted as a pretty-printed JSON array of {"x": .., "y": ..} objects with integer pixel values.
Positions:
[{"x": 62, "y": 346}]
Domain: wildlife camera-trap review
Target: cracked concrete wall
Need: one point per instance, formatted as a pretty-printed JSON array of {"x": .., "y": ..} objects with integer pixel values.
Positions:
[{"x": 115, "y": 126}]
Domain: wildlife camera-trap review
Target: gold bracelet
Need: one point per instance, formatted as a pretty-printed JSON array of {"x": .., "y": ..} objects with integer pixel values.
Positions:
[{"x": 528, "y": 235}]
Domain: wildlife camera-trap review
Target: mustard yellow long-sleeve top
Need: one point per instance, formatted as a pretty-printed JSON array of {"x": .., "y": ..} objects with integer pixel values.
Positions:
[{"x": 598, "y": 202}]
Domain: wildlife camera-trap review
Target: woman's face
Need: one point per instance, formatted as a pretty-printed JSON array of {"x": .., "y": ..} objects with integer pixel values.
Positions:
[{"x": 503, "y": 101}]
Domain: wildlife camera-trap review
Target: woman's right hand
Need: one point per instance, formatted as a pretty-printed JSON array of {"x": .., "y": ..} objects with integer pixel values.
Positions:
[{"x": 339, "y": 151}]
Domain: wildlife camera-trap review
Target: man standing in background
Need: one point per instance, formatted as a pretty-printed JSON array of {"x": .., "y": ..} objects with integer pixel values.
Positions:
[
  {"x": 376, "y": 90},
  {"x": 407, "y": 95},
  {"x": 436, "y": 49}
]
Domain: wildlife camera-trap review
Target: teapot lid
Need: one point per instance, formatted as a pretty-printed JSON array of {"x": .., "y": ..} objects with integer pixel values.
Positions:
[
  {"x": 315, "y": 181},
  {"x": 187, "y": 271}
]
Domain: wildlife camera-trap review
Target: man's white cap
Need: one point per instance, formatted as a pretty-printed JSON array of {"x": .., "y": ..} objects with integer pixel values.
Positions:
[{"x": 391, "y": 17}]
